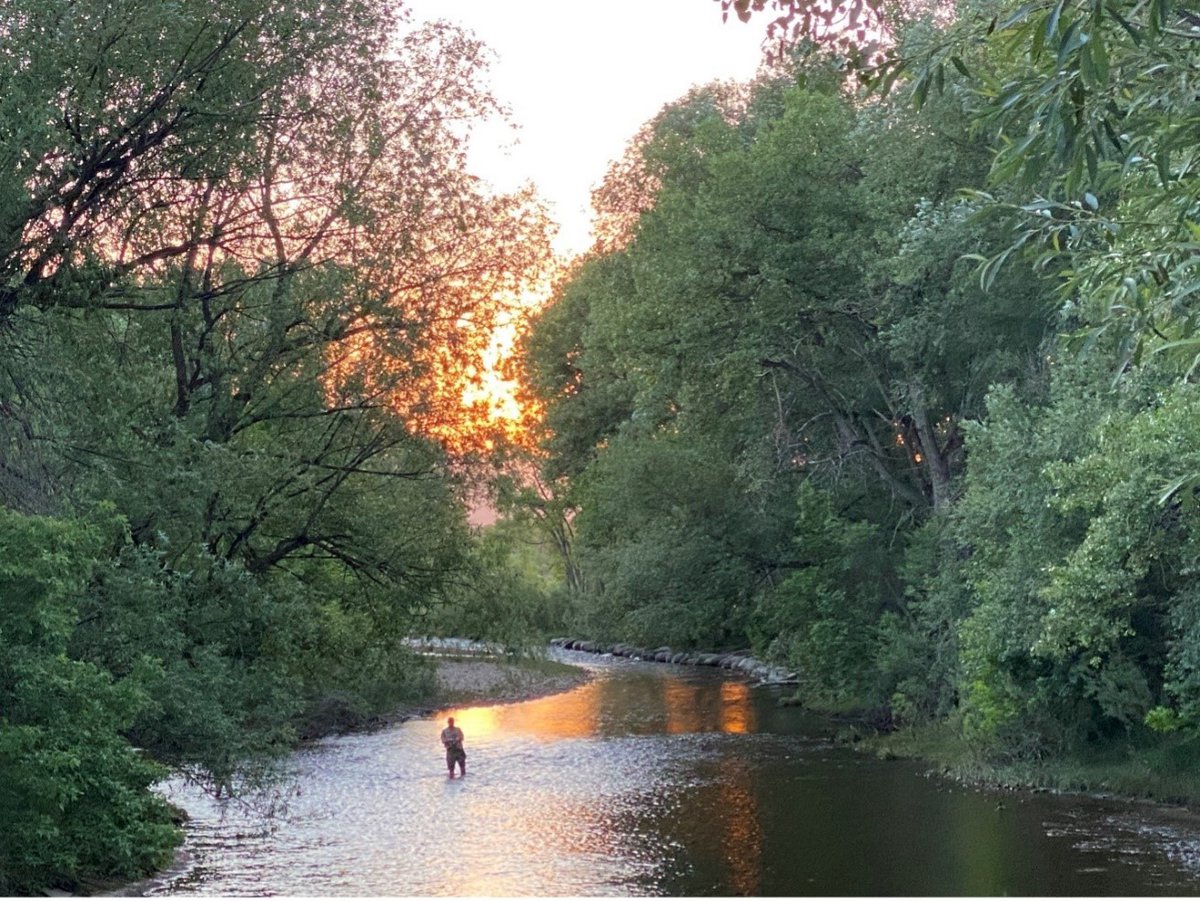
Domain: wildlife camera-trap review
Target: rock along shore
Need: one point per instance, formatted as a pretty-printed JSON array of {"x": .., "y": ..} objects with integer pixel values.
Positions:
[{"x": 739, "y": 661}]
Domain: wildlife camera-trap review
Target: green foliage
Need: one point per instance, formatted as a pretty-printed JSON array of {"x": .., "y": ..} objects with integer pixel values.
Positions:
[
  {"x": 510, "y": 593},
  {"x": 74, "y": 799},
  {"x": 216, "y": 700},
  {"x": 822, "y": 619},
  {"x": 1162, "y": 719},
  {"x": 1013, "y": 696},
  {"x": 1091, "y": 105},
  {"x": 673, "y": 542},
  {"x": 1082, "y": 616},
  {"x": 790, "y": 313},
  {"x": 994, "y": 531},
  {"x": 1092, "y": 108},
  {"x": 919, "y": 653}
]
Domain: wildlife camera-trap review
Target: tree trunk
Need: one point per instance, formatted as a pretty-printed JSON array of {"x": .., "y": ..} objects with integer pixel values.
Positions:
[{"x": 935, "y": 458}]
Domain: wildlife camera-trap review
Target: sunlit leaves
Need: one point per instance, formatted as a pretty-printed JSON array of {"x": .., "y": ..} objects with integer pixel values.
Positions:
[{"x": 857, "y": 29}]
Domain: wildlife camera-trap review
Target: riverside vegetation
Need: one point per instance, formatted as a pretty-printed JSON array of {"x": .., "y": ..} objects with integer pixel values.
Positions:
[{"x": 883, "y": 366}]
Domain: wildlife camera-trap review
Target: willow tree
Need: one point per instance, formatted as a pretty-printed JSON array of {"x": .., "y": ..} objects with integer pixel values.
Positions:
[{"x": 1093, "y": 105}]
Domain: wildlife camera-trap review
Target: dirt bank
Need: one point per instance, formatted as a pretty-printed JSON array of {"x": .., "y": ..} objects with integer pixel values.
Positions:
[{"x": 490, "y": 681}]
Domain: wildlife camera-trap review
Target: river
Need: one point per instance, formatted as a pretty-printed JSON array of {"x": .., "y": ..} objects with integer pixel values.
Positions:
[{"x": 655, "y": 779}]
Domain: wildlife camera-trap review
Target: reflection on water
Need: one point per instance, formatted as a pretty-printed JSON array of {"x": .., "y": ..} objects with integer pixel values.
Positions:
[
  {"x": 737, "y": 714},
  {"x": 741, "y": 832},
  {"x": 661, "y": 780}
]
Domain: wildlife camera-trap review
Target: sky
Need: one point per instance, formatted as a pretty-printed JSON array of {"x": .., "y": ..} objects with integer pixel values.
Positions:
[{"x": 581, "y": 76}]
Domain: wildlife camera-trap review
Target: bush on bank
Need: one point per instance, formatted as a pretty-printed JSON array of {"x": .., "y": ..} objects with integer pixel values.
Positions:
[{"x": 75, "y": 804}]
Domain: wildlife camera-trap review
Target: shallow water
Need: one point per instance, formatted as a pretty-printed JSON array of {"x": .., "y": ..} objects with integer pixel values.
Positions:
[{"x": 662, "y": 780}]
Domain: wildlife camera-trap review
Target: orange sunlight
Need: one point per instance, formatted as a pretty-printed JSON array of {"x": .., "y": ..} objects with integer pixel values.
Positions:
[
  {"x": 491, "y": 408},
  {"x": 451, "y": 385},
  {"x": 572, "y": 715}
]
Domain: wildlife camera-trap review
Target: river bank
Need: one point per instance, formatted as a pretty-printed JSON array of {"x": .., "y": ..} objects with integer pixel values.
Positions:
[{"x": 1166, "y": 773}]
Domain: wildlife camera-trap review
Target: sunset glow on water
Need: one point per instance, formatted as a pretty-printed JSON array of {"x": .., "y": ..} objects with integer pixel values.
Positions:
[{"x": 651, "y": 780}]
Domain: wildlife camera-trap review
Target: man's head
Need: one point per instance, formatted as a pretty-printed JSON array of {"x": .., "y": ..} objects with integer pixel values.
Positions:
[{"x": 450, "y": 721}]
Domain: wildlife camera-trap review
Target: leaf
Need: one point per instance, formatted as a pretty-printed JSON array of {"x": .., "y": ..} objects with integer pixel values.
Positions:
[
  {"x": 1018, "y": 15},
  {"x": 976, "y": 194},
  {"x": 1172, "y": 488},
  {"x": 1052, "y": 22},
  {"x": 989, "y": 271},
  {"x": 1124, "y": 23},
  {"x": 1099, "y": 54},
  {"x": 1112, "y": 135},
  {"x": 1162, "y": 161},
  {"x": 1189, "y": 344},
  {"x": 1073, "y": 39},
  {"x": 1039, "y": 39},
  {"x": 1011, "y": 98},
  {"x": 1157, "y": 20},
  {"x": 960, "y": 66},
  {"x": 1087, "y": 67},
  {"x": 921, "y": 88}
]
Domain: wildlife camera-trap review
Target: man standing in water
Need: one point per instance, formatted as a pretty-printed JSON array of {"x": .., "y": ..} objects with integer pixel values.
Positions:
[{"x": 452, "y": 741}]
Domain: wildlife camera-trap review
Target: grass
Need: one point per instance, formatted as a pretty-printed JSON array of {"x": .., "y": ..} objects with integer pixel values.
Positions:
[{"x": 1165, "y": 770}]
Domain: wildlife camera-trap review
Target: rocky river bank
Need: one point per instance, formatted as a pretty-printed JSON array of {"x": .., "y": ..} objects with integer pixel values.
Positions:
[{"x": 739, "y": 661}]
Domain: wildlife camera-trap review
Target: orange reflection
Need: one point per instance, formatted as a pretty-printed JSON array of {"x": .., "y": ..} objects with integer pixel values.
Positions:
[
  {"x": 689, "y": 708},
  {"x": 737, "y": 714},
  {"x": 476, "y": 722},
  {"x": 742, "y": 838},
  {"x": 686, "y": 706},
  {"x": 575, "y": 714},
  {"x": 681, "y": 703}
]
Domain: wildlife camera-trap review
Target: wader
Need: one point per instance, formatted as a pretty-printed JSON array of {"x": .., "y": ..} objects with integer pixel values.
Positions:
[{"x": 456, "y": 754}]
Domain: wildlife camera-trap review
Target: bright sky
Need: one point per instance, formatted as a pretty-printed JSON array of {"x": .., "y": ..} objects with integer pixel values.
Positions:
[{"x": 581, "y": 76}]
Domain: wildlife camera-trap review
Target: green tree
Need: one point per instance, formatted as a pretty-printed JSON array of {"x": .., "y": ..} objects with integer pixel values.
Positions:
[
  {"x": 823, "y": 618},
  {"x": 792, "y": 308},
  {"x": 74, "y": 799}
]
